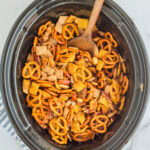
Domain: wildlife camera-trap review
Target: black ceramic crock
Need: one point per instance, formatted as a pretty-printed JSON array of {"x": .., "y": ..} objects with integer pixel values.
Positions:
[{"x": 18, "y": 45}]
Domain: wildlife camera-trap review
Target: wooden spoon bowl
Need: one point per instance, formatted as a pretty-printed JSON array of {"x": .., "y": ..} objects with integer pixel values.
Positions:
[{"x": 85, "y": 41}]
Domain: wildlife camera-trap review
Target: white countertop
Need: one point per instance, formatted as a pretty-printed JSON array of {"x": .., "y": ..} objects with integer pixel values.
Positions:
[{"x": 138, "y": 10}]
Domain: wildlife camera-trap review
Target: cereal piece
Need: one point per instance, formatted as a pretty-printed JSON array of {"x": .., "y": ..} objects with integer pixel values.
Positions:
[
  {"x": 96, "y": 93},
  {"x": 45, "y": 94},
  {"x": 79, "y": 86},
  {"x": 77, "y": 109},
  {"x": 60, "y": 23},
  {"x": 100, "y": 65},
  {"x": 72, "y": 68},
  {"x": 75, "y": 127},
  {"x": 81, "y": 62},
  {"x": 93, "y": 105},
  {"x": 81, "y": 117},
  {"x": 42, "y": 51},
  {"x": 52, "y": 78},
  {"x": 70, "y": 19},
  {"x": 59, "y": 74},
  {"x": 82, "y": 23},
  {"x": 26, "y": 86},
  {"x": 102, "y": 100},
  {"x": 34, "y": 88}
]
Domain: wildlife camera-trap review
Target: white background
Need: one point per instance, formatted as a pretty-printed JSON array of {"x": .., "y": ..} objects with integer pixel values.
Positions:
[{"x": 138, "y": 10}]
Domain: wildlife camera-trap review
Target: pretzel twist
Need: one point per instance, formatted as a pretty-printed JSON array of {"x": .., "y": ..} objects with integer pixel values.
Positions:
[
  {"x": 83, "y": 137},
  {"x": 69, "y": 30},
  {"x": 58, "y": 37},
  {"x": 59, "y": 126},
  {"x": 82, "y": 74},
  {"x": 104, "y": 44},
  {"x": 34, "y": 101},
  {"x": 100, "y": 82},
  {"x": 31, "y": 70},
  {"x": 44, "y": 28},
  {"x": 99, "y": 123},
  {"x": 89, "y": 94},
  {"x": 56, "y": 106},
  {"x": 109, "y": 36}
]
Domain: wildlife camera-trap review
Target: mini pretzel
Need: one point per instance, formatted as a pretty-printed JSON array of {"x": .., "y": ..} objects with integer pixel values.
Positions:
[
  {"x": 42, "y": 29},
  {"x": 79, "y": 74},
  {"x": 111, "y": 59},
  {"x": 102, "y": 108},
  {"x": 115, "y": 92},
  {"x": 69, "y": 30},
  {"x": 41, "y": 114},
  {"x": 33, "y": 100},
  {"x": 45, "y": 101},
  {"x": 40, "y": 118},
  {"x": 53, "y": 125},
  {"x": 109, "y": 36},
  {"x": 125, "y": 85},
  {"x": 59, "y": 139},
  {"x": 31, "y": 70},
  {"x": 58, "y": 37},
  {"x": 100, "y": 74},
  {"x": 104, "y": 44},
  {"x": 35, "y": 70},
  {"x": 48, "y": 25},
  {"x": 56, "y": 106},
  {"x": 46, "y": 111},
  {"x": 59, "y": 126},
  {"x": 26, "y": 72},
  {"x": 100, "y": 82},
  {"x": 62, "y": 123},
  {"x": 100, "y": 128},
  {"x": 99, "y": 119},
  {"x": 86, "y": 121},
  {"x": 99, "y": 123},
  {"x": 90, "y": 90},
  {"x": 108, "y": 73},
  {"x": 86, "y": 55},
  {"x": 82, "y": 73},
  {"x": 83, "y": 129},
  {"x": 83, "y": 137}
]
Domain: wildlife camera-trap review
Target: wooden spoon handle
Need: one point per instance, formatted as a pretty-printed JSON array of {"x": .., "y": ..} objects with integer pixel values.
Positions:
[{"x": 94, "y": 16}]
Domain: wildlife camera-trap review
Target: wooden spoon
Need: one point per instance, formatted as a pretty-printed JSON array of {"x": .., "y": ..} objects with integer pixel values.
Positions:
[{"x": 85, "y": 41}]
